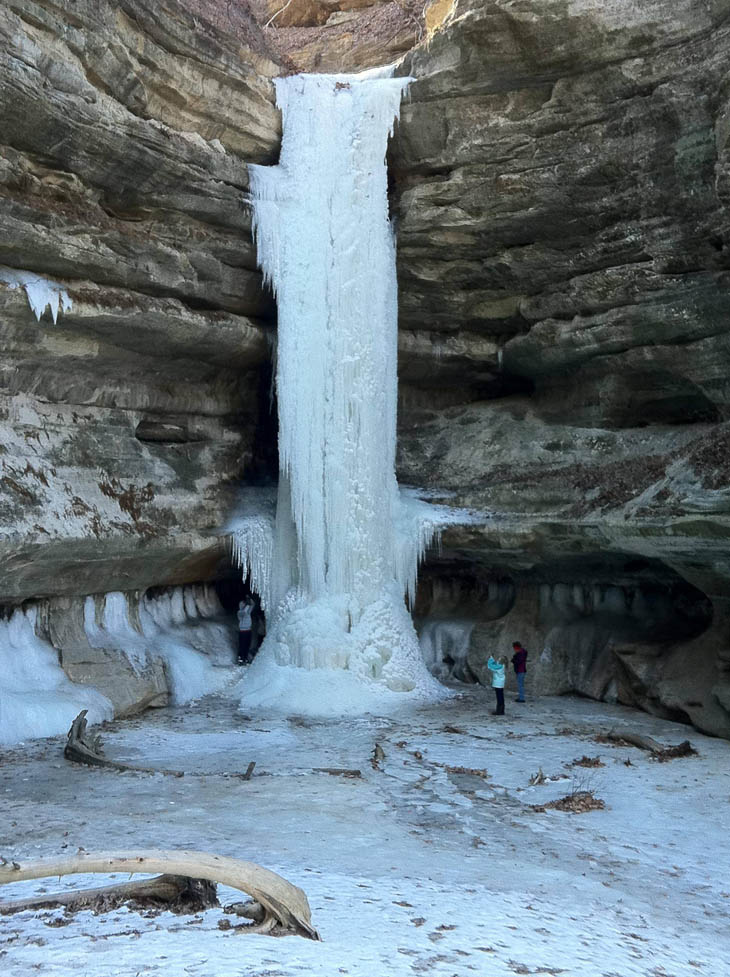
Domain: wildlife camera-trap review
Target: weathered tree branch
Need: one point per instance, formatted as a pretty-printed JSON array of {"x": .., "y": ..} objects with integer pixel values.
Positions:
[
  {"x": 642, "y": 742},
  {"x": 656, "y": 749},
  {"x": 284, "y": 904}
]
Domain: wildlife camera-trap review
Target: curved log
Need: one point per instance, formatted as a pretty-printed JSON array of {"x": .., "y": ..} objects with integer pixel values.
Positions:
[{"x": 284, "y": 904}]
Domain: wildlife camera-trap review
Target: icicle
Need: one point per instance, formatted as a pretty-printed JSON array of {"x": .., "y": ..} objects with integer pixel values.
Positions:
[
  {"x": 445, "y": 645},
  {"x": 42, "y": 293},
  {"x": 252, "y": 546}
]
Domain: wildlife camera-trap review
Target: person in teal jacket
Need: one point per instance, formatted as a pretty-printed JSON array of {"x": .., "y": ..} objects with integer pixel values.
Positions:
[{"x": 497, "y": 668}]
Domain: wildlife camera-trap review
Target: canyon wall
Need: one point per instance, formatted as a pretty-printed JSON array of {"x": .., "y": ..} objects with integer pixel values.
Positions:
[
  {"x": 560, "y": 181},
  {"x": 126, "y": 426}
]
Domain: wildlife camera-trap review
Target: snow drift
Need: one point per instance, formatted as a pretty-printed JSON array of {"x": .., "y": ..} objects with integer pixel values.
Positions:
[{"x": 36, "y": 697}]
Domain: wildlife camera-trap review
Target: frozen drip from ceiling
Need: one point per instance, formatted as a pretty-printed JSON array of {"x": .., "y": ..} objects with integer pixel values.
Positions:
[{"x": 345, "y": 545}]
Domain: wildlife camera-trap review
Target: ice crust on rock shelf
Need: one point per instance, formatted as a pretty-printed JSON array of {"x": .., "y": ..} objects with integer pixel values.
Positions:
[
  {"x": 36, "y": 697},
  {"x": 333, "y": 567},
  {"x": 42, "y": 293},
  {"x": 172, "y": 626}
]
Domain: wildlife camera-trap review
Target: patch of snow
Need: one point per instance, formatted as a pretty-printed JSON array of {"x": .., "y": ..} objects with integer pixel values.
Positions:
[
  {"x": 36, "y": 697},
  {"x": 416, "y": 867},
  {"x": 42, "y": 293}
]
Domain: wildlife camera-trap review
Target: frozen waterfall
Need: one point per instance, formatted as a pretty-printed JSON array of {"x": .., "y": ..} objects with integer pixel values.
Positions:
[{"x": 345, "y": 547}]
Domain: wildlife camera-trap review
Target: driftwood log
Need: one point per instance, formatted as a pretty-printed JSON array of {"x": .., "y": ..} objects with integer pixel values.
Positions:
[
  {"x": 285, "y": 905},
  {"x": 656, "y": 749},
  {"x": 83, "y": 746},
  {"x": 177, "y": 892}
]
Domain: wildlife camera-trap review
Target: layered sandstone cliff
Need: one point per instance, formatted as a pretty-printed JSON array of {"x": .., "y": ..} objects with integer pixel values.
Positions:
[
  {"x": 126, "y": 129},
  {"x": 562, "y": 187},
  {"x": 560, "y": 181}
]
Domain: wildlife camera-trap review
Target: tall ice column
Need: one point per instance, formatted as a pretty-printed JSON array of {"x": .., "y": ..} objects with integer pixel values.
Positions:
[{"x": 340, "y": 566}]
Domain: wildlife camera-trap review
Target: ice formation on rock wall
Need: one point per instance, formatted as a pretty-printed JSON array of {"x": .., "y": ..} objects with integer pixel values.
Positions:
[
  {"x": 36, "y": 697},
  {"x": 345, "y": 545},
  {"x": 42, "y": 293},
  {"x": 171, "y": 626},
  {"x": 445, "y": 646}
]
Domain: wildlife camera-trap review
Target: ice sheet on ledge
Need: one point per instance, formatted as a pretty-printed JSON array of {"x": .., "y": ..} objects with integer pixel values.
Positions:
[
  {"x": 42, "y": 293},
  {"x": 419, "y": 524}
]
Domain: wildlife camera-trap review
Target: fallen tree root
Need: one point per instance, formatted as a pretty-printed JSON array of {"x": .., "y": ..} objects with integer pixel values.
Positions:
[
  {"x": 656, "y": 749},
  {"x": 285, "y": 905},
  {"x": 175, "y": 892},
  {"x": 83, "y": 746}
]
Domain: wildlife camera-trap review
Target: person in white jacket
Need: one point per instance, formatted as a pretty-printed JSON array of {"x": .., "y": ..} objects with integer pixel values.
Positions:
[
  {"x": 497, "y": 668},
  {"x": 244, "y": 632}
]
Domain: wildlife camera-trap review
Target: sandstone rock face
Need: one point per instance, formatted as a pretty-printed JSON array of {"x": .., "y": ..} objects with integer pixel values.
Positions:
[
  {"x": 130, "y": 690},
  {"x": 561, "y": 176},
  {"x": 142, "y": 650},
  {"x": 340, "y": 35},
  {"x": 125, "y": 427},
  {"x": 560, "y": 180}
]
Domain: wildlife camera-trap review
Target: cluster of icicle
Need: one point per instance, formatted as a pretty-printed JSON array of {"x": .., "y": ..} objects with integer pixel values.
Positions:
[
  {"x": 174, "y": 627},
  {"x": 42, "y": 293},
  {"x": 445, "y": 646},
  {"x": 345, "y": 546},
  {"x": 184, "y": 628}
]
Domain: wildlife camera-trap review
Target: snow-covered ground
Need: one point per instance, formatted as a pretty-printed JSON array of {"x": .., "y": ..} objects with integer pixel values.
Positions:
[{"x": 412, "y": 869}]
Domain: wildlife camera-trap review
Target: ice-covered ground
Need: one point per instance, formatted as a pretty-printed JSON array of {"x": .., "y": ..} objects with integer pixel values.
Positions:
[{"x": 412, "y": 869}]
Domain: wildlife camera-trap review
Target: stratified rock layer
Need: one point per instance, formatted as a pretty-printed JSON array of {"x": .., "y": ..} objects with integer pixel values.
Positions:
[
  {"x": 339, "y": 35},
  {"x": 126, "y": 128},
  {"x": 561, "y": 180}
]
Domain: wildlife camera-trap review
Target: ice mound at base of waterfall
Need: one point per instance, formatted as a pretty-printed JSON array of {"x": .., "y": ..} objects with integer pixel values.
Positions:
[
  {"x": 319, "y": 662},
  {"x": 324, "y": 693},
  {"x": 36, "y": 697}
]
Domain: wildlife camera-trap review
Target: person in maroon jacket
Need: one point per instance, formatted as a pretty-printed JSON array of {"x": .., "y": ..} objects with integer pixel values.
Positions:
[{"x": 519, "y": 660}]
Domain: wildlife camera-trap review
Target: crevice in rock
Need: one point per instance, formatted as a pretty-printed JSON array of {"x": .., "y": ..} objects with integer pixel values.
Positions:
[{"x": 263, "y": 469}]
